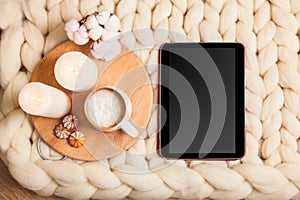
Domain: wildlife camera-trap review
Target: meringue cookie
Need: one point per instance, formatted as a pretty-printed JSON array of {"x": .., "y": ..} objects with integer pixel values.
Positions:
[
  {"x": 70, "y": 122},
  {"x": 102, "y": 16},
  {"x": 76, "y": 139},
  {"x": 72, "y": 25},
  {"x": 91, "y": 22},
  {"x": 96, "y": 33},
  {"x": 113, "y": 23},
  {"x": 61, "y": 132},
  {"x": 106, "y": 50}
]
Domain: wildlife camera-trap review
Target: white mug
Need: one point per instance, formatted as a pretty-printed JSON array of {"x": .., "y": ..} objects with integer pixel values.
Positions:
[{"x": 124, "y": 118}]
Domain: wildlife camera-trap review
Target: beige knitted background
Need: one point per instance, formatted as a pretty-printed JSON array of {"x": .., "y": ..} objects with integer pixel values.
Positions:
[{"x": 268, "y": 29}]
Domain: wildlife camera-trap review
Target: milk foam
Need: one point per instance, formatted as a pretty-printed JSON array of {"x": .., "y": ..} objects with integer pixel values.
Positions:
[{"x": 105, "y": 107}]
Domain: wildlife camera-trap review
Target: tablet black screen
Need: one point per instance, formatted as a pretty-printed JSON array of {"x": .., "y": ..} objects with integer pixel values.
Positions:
[{"x": 202, "y": 92}]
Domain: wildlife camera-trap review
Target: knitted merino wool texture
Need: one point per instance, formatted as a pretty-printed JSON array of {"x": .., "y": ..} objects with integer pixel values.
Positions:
[{"x": 268, "y": 29}]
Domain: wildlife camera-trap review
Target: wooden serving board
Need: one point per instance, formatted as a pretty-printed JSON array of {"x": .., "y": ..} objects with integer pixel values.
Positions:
[{"x": 126, "y": 72}]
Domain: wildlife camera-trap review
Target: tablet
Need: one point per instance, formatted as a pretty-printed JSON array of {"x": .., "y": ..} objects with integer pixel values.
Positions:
[{"x": 201, "y": 97}]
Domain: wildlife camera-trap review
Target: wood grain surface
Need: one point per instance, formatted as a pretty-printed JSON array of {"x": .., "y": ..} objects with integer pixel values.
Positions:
[{"x": 125, "y": 72}]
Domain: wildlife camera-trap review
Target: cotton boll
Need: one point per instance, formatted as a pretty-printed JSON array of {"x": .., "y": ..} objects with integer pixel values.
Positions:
[
  {"x": 113, "y": 23},
  {"x": 83, "y": 31},
  {"x": 96, "y": 33},
  {"x": 80, "y": 36},
  {"x": 102, "y": 16},
  {"x": 106, "y": 50},
  {"x": 97, "y": 52},
  {"x": 108, "y": 35},
  {"x": 70, "y": 35},
  {"x": 91, "y": 22},
  {"x": 80, "y": 40},
  {"x": 72, "y": 25}
]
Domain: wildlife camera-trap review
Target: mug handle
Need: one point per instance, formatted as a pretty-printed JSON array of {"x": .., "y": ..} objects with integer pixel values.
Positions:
[{"x": 129, "y": 129}]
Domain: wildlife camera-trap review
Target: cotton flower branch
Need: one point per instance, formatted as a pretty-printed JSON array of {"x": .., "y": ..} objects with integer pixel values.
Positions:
[{"x": 103, "y": 28}]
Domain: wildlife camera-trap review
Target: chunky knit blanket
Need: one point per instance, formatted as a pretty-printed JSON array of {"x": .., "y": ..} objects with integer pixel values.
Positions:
[{"x": 269, "y": 29}]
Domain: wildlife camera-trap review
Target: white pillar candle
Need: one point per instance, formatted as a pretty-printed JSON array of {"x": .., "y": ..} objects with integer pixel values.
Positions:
[
  {"x": 75, "y": 71},
  {"x": 39, "y": 99}
]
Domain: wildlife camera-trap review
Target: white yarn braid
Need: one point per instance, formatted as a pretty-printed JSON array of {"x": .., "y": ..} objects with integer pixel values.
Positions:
[{"x": 269, "y": 31}]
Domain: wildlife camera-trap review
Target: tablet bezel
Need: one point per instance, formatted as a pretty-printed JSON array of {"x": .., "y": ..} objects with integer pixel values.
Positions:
[{"x": 163, "y": 139}]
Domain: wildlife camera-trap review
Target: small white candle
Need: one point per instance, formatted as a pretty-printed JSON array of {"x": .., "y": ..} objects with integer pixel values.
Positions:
[
  {"x": 75, "y": 71},
  {"x": 39, "y": 99}
]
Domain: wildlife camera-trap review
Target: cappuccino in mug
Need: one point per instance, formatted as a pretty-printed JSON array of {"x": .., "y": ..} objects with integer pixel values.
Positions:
[
  {"x": 106, "y": 108},
  {"x": 109, "y": 109}
]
